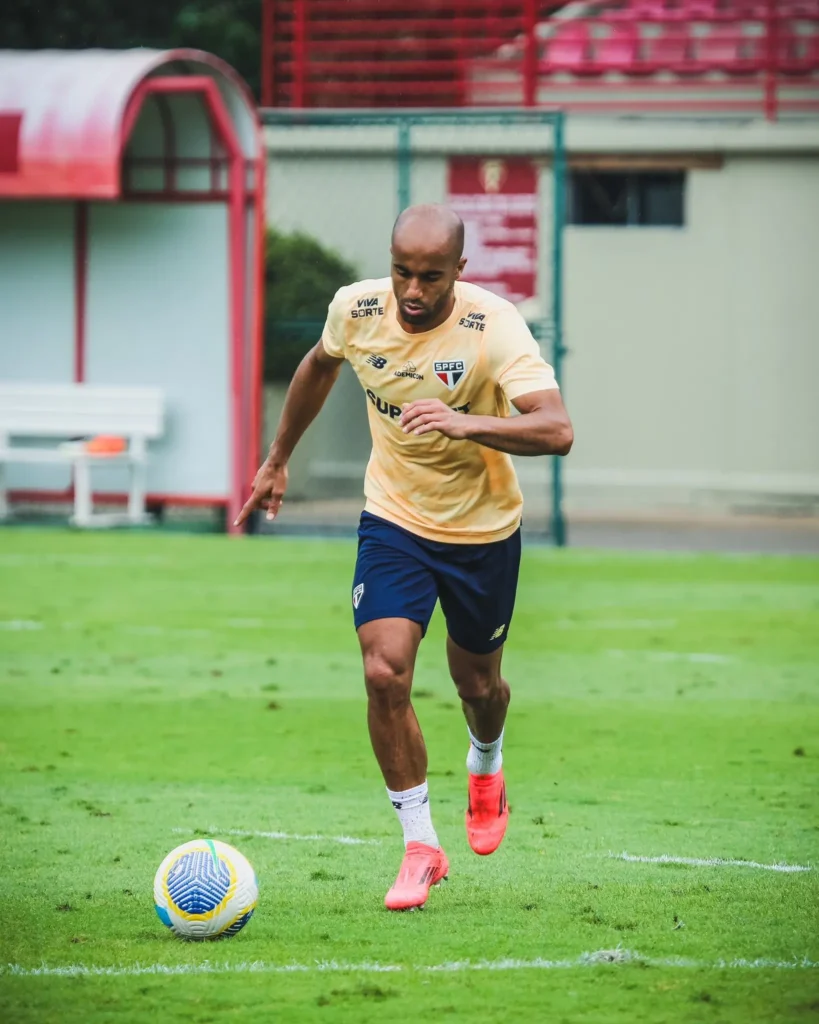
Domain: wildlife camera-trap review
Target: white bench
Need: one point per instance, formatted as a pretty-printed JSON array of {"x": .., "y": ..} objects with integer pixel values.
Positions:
[{"x": 49, "y": 412}]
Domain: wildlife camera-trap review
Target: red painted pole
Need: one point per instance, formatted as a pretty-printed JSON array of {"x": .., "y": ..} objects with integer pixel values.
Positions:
[
  {"x": 771, "y": 58},
  {"x": 530, "y": 53},
  {"x": 462, "y": 61},
  {"x": 257, "y": 283},
  {"x": 300, "y": 54},
  {"x": 267, "y": 52}
]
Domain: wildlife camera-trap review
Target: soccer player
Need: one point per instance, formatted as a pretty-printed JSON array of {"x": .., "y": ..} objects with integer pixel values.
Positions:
[{"x": 440, "y": 361}]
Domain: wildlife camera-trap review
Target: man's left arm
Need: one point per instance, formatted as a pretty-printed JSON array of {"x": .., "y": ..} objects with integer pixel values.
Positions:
[
  {"x": 514, "y": 363},
  {"x": 543, "y": 427}
]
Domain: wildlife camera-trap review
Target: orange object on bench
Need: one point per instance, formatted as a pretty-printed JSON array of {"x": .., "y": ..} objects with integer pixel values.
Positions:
[{"x": 106, "y": 444}]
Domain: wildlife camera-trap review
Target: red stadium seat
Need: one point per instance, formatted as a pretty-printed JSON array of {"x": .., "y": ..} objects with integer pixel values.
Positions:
[
  {"x": 627, "y": 12},
  {"x": 619, "y": 51},
  {"x": 669, "y": 52},
  {"x": 657, "y": 10},
  {"x": 751, "y": 10},
  {"x": 800, "y": 9},
  {"x": 700, "y": 10},
  {"x": 567, "y": 50},
  {"x": 727, "y": 49},
  {"x": 799, "y": 54}
]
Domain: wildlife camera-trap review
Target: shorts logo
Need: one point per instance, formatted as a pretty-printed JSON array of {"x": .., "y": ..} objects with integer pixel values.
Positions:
[
  {"x": 379, "y": 362},
  {"x": 497, "y": 634},
  {"x": 449, "y": 371},
  {"x": 358, "y": 593},
  {"x": 409, "y": 369}
]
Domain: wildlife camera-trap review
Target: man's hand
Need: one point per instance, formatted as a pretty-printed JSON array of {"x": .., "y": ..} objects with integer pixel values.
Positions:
[
  {"x": 269, "y": 486},
  {"x": 431, "y": 414}
]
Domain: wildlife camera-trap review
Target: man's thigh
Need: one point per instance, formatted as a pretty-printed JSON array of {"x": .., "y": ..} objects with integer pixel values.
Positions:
[
  {"x": 392, "y": 578},
  {"x": 477, "y": 587}
]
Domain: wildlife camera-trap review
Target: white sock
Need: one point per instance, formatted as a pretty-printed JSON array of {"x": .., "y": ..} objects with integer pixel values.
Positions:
[
  {"x": 484, "y": 758},
  {"x": 412, "y": 808}
]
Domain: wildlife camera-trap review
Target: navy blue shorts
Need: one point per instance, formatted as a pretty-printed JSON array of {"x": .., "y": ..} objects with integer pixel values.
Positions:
[{"x": 399, "y": 575}]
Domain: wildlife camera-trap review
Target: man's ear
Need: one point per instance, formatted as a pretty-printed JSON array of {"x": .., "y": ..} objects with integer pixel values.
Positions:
[{"x": 461, "y": 265}]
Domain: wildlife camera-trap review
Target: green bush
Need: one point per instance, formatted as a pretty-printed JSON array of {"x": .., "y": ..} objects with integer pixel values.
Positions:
[{"x": 301, "y": 277}]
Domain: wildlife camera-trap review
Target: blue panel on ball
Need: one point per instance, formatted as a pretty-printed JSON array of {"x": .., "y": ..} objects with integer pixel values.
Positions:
[
  {"x": 237, "y": 926},
  {"x": 162, "y": 914},
  {"x": 197, "y": 883}
]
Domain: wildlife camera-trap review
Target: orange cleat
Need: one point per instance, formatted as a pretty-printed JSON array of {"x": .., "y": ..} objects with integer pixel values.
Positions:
[
  {"x": 487, "y": 812},
  {"x": 421, "y": 867}
]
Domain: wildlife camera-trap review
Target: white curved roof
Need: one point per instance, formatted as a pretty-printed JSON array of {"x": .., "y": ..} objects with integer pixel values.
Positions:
[{"x": 61, "y": 115}]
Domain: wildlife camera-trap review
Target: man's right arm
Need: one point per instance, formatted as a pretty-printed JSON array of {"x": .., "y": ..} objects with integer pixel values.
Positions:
[{"x": 308, "y": 391}]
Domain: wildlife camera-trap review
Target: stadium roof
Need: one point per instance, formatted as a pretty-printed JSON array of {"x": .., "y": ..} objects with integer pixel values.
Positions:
[{"x": 64, "y": 115}]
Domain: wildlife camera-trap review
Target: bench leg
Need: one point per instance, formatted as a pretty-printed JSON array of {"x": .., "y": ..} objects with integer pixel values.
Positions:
[
  {"x": 136, "y": 495},
  {"x": 82, "y": 493},
  {"x": 4, "y": 504}
]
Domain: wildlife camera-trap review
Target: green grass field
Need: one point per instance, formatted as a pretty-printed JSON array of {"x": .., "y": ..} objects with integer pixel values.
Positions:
[{"x": 154, "y": 686}]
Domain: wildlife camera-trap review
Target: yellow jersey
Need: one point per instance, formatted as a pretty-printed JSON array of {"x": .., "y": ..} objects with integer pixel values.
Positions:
[{"x": 478, "y": 361}]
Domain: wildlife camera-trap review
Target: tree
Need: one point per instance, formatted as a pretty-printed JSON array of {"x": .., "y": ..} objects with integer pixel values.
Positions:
[
  {"x": 228, "y": 28},
  {"x": 301, "y": 277}
]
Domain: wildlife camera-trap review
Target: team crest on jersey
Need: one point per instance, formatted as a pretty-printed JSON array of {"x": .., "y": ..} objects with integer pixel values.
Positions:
[
  {"x": 358, "y": 593},
  {"x": 449, "y": 371}
]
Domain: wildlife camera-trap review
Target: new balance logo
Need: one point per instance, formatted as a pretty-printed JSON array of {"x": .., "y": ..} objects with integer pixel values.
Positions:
[
  {"x": 409, "y": 370},
  {"x": 379, "y": 362},
  {"x": 498, "y": 633},
  {"x": 367, "y": 307}
]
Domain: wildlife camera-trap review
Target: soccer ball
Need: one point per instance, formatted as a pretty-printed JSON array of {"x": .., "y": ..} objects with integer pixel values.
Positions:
[{"x": 205, "y": 890}]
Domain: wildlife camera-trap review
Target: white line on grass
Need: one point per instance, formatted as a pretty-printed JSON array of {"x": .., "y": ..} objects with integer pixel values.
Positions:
[
  {"x": 19, "y": 625},
  {"x": 164, "y": 631},
  {"x": 709, "y": 862},
  {"x": 90, "y": 561},
  {"x": 346, "y": 840},
  {"x": 624, "y": 624},
  {"x": 695, "y": 657},
  {"x": 602, "y": 957}
]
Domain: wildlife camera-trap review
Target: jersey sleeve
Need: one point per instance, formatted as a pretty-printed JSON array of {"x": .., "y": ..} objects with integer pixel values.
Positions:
[
  {"x": 333, "y": 335},
  {"x": 514, "y": 358}
]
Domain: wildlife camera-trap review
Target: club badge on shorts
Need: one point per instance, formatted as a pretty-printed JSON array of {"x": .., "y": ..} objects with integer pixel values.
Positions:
[
  {"x": 358, "y": 593},
  {"x": 449, "y": 371}
]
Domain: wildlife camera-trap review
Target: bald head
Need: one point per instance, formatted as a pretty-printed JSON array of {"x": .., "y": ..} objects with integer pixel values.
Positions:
[
  {"x": 427, "y": 260},
  {"x": 429, "y": 228}
]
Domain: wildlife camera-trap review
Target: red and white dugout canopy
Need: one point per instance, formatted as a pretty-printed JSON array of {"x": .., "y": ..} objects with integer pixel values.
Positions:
[{"x": 131, "y": 251}]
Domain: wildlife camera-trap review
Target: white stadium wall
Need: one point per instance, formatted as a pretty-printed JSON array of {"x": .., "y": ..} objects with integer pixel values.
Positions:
[
  {"x": 37, "y": 309},
  {"x": 157, "y": 287},
  {"x": 693, "y": 352}
]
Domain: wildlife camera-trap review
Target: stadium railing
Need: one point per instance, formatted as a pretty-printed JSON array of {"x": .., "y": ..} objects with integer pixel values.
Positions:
[{"x": 693, "y": 56}]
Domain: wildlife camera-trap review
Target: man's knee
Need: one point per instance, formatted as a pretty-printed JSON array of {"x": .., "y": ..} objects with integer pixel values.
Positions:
[
  {"x": 388, "y": 678},
  {"x": 476, "y": 683}
]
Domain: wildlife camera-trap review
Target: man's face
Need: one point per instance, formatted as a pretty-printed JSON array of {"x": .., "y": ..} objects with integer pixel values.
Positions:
[{"x": 423, "y": 282}]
